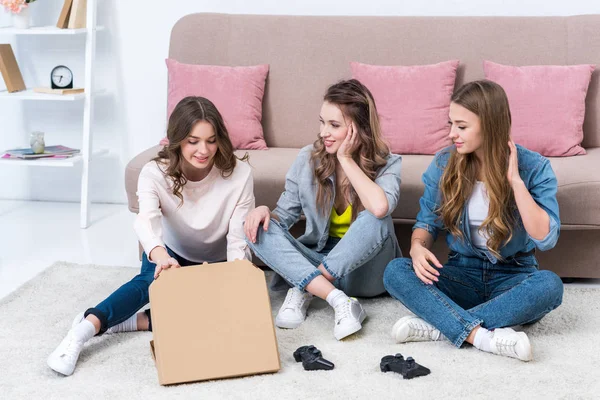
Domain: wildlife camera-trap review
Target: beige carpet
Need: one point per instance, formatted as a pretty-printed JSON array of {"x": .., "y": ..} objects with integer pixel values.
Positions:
[{"x": 34, "y": 319}]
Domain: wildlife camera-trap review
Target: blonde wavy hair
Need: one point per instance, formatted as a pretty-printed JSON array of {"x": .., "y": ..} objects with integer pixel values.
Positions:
[
  {"x": 488, "y": 101},
  {"x": 357, "y": 104}
]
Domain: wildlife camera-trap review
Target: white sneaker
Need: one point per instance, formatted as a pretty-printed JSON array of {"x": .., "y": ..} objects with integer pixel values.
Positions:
[
  {"x": 293, "y": 310},
  {"x": 414, "y": 329},
  {"x": 349, "y": 316},
  {"x": 64, "y": 358},
  {"x": 78, "y": 318},
  {"x": 508, "y": 342}
]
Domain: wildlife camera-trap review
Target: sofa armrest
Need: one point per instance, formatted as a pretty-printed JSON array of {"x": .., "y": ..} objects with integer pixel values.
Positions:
[{"x": 132, "y": 174}]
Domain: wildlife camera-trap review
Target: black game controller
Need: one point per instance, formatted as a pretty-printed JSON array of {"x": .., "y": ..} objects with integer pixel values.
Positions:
[
  {"x": 408, "y": 368},
  {"x": 312, "y": 359}
]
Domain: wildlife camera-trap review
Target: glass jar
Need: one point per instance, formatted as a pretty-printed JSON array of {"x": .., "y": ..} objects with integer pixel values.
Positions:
[{"x": 36, "y": 141}]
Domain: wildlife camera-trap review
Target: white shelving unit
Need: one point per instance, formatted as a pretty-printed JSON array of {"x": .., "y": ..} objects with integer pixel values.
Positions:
[
  {"x": 87, "y": 97},
  {"x": 45, "y": 30}
]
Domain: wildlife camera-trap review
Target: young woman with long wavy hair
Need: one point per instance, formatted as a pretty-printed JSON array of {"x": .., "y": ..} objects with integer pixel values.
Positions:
[
  {"x": 346, "y": 185},
  {"x": 193, "y": 199},
  {"x": 497, "y": 203}
]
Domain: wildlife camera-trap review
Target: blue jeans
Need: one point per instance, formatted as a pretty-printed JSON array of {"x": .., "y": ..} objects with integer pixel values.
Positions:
[
  {"x": 356, "y": 261},
  {"x": 472, "y": 291},
  {"x": 131, "y": 297}
]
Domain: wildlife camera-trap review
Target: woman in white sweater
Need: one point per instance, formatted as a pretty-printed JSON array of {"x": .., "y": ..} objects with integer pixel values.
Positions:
[{"x": 193, "y": 199}]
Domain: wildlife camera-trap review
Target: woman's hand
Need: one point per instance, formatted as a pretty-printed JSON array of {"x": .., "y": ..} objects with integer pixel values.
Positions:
[
  {"x": 165, "y": 263},
  {"x": 259, "y": 215},
  {"x": 513, "y": 165},
  {"x": 421, "y": 258},
  {"x": 348, "y": 145}
]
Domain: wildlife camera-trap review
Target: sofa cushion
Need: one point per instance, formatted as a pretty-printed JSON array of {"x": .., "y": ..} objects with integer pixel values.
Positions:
[
  {"x": 237, "y": 92},
  {"x": 547, "y": 104},
  {"x": 413, "y": 103},
  {"x": 578, "y": 188},
  {"x": 578, "y": 182}
]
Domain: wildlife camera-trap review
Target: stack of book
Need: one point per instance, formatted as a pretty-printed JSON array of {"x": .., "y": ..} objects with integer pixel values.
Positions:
[{"x": 49, "y": 152}]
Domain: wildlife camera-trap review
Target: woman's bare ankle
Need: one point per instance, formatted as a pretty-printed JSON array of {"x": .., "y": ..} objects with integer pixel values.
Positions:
[
  {"x": 142, "y": 321},
  {"x": 471, "y": 338}
]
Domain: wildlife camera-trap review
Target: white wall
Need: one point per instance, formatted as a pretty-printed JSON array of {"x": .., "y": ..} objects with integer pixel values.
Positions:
[{"x": 130, "y": 117}]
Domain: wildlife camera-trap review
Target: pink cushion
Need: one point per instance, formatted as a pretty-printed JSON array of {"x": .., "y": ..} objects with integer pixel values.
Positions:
[
  {"x": 547, "y": 104},
  {"x": 237, "y": 93},
  {"x": 413, "y": 103}
]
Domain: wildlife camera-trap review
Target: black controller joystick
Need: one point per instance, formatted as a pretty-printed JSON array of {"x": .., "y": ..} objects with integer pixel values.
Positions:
[
  {"x": 312, "y": 359},
  {"x": 408, "y": 368}
]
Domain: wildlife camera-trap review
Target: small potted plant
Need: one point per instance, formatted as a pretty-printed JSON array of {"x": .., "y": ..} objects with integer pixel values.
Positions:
[{"x": 20, "y": 12}]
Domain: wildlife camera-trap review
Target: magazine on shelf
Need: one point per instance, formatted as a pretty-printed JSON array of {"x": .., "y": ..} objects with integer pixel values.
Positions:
[{"x": 49, "y": 152}]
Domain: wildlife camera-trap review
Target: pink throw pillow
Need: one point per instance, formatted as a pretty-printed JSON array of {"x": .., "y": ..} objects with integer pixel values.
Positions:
[
  {"x": 237, "y": 92},
  {"x": 413, "y": 103},
  {"x": 547, "y": 105}
]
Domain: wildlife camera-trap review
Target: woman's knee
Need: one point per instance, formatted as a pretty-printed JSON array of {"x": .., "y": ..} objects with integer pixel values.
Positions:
[
  {"x": 552, "y": 285},
  {"x": 142, "y": 281},
  {"x": 396, "y": 273},
  {"x": 262, "y": 236},
  {"x": 367, "y": 224}
]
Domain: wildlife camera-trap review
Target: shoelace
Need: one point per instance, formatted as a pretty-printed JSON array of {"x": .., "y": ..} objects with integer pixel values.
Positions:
[
  {"x": 506, "y": 347},
  {"x": 344, "y": 312},
  {"x": 293, "y": 297},
  {"x": 71, "y": 347},
  {"x": 421, "y": 331}
]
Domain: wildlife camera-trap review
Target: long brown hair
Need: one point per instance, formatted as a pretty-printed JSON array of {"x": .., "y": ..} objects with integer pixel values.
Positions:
[
  {"x": 357, "y": 104},
  {"x": 488, "y": 101},
  {"x": 187, "y": 113}
]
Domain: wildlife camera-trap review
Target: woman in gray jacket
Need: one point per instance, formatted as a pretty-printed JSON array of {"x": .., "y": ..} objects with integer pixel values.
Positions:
[{"x": 346, "y": 184}]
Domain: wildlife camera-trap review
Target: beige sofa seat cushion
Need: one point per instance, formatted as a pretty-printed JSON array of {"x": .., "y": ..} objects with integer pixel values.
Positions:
[
  {"x": 579, "y": 189},
  {"x": 269, "y": 168},
  {"x": 578, "y": 182},
  {"x": 411, "y": 186}
]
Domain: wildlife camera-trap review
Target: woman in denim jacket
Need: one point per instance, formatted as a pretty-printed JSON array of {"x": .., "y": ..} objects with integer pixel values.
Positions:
[
  {"x": 497, "y": 202},
  {"x": 346, "y": 184}
]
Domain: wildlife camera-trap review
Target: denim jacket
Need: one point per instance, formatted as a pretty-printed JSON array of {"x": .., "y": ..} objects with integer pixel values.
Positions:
[
  {"x": 300, "y": 197},
  {"x": 539, "y": 178}
]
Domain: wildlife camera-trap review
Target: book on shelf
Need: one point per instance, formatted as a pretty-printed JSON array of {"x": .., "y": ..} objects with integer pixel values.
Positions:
[
  {"x": 77, "y": 15},
  {"x": 58, "y": 91},
  {"x": 63, "y": 18},
  {"x": 10, "y": 69},
  {"x": 49, "y": 152}
]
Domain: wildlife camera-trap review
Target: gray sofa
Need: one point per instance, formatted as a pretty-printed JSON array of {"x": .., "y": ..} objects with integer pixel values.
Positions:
[{"x": 307, "y": 53}]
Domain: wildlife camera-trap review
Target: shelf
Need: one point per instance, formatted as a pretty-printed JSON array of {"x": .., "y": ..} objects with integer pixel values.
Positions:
[
  {"x": 44, "y": 30},
  {"x": 29, "y": 94},
  {"x": 48, "y": 162}
]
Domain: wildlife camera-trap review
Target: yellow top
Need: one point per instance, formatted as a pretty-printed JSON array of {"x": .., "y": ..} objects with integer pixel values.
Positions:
[{"x": 339, "y": 224}]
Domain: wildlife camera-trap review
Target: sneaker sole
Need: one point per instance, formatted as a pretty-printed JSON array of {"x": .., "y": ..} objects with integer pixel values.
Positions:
[
  {"x": 59, "y": 367},
  {"x": 352, "y": 328},
  {"x": 287, "y": 324}
]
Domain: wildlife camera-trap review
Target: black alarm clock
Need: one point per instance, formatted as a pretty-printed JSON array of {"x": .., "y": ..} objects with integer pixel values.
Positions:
[{"x": 61, "y": 77}]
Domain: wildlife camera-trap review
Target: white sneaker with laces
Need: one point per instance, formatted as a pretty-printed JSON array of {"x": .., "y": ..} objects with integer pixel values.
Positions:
[
  {"x": 349, "y": 316},
  {"x": 414, "y": 329},
  {"x": 78, "y": 318},
  {"x": 293, "y": 310},
  {"x": 64, "y": 358},
  {"x": 508, "y": 342}
]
